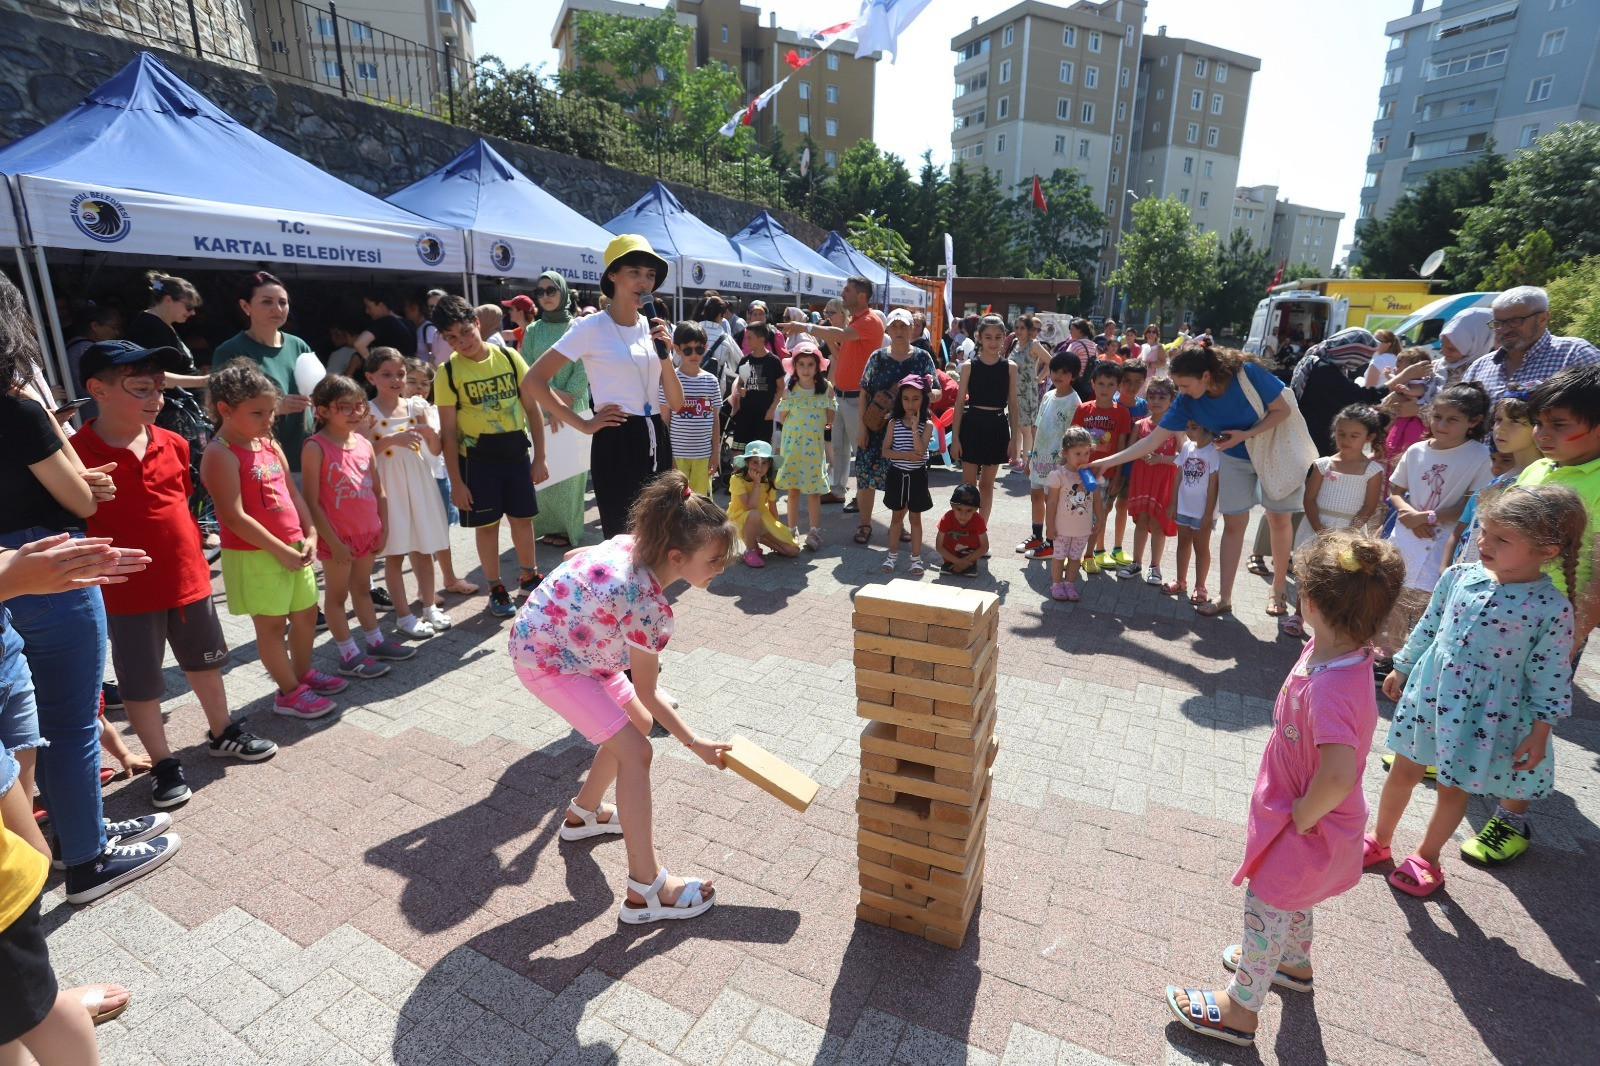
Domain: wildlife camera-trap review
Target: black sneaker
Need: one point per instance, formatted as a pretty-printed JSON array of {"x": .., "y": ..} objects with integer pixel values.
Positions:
[
  {"x": 500, "y": 604},
  {"x": 235, "y": 743},
  {"x": 322, "y": 621},
  {"x": 167, "y": 786},
  {"x": 381, "y": 597},
  {"x": 529, "y": 580},
  {"x": 112, "y": 695},
  {"x": 120, "y": 864},
  {"x": 129, "y": 831}
]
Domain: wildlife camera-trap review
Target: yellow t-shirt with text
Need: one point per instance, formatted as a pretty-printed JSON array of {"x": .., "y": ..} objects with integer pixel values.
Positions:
[{"x": 485, "y": 393}]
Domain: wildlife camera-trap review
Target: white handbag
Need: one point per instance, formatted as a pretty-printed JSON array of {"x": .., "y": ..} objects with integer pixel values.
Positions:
[{"x": 1282, "y": 455}]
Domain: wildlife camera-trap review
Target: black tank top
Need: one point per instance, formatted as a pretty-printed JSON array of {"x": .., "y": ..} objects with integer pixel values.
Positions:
[{"x": 989, "y": 385}]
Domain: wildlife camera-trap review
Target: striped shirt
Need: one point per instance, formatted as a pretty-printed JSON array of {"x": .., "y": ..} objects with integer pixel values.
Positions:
[
  {"x": 905, "y": 440},
  {"x": 691, "y": 426}
]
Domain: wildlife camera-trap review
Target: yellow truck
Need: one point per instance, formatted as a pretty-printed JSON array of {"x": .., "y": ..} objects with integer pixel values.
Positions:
[{"x": 1376, "y": 303}]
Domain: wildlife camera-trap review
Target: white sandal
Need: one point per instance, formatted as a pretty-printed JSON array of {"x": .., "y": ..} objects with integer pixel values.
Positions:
[
  {"x": 592, "y": 826},
  {"x": 690, "y": 902}
]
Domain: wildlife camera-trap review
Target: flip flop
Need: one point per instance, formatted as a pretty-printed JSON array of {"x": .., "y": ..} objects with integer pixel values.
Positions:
[
  {"x": 462, "y": 588},
  {"x": 1230, "y": 955},
  {"x": 1418, "y": 877},
  {"x": 94, "y": 1000},
  {"x": 1214, "y": 609},
  {"x": 1205, "y": 1017},
  {"x": 555, "y": 540},
  {"x": 1372, "y": 852},
  {"x": 1294, "y": 626}
]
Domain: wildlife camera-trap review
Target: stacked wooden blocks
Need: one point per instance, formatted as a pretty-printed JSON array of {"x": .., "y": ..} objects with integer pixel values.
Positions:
[{"x": 925, "y": 676}]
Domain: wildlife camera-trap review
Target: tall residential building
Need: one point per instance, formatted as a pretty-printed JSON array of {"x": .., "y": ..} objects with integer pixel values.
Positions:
[
  {"x": 831, "y": 99},
  {"x": 1290, "y": 233},
  {"x": 1253, "y": 208},
  {"x": 1468, "y": 73}
]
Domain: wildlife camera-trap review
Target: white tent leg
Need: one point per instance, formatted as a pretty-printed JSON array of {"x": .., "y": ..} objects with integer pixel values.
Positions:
[
  {"x": 25, "y": 272},
  {"x": 472, "y": 282},
  {"x": 48, "y": 298}
]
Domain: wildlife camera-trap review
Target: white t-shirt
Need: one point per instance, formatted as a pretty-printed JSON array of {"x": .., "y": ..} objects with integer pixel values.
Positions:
[
  {"x": 1374, "y": 375},
  {"x": 1195, "y": 467},
  {"x": 620, "y": 362},
  {"x": 1434, "y": 479}
]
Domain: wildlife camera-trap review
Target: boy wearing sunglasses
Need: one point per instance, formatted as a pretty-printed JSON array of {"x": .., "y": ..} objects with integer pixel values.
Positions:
[{"x": 697, "y": 425}]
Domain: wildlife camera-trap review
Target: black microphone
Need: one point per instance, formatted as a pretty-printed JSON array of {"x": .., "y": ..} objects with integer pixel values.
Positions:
[{"x": 652, "y": 311}]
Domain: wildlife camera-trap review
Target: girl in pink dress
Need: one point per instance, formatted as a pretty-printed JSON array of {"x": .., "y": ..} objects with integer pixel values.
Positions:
[
  {"x": 345, "y": 496},
  {"x": 1308, "y": 814}
]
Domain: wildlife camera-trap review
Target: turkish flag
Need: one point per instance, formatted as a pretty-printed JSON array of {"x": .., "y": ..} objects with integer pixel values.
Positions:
[
  {"x": 794, "y": 60},
  {"x": 1277, "y": 279},
  {"x": 1038, "y": 196}
]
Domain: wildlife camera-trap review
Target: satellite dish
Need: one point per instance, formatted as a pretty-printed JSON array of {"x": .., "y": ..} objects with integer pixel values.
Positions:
[{"x": 1431, "y": 265}]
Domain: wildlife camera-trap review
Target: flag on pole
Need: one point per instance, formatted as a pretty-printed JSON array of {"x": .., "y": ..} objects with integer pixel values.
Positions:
[
  {"x": 949, "y": 278},
  {"x": 805, "y": 162},
  {"x": 1038, "y": 196},
  {"x": 1277, "y": 279},
  {"x": 881, "y": 22}
]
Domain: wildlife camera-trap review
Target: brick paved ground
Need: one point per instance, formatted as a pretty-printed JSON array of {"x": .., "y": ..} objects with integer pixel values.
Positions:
[{"x": 390, "y": 887}]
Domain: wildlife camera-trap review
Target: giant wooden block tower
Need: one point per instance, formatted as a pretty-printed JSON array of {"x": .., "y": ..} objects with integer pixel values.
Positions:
[{"x": 925, "y": 676}]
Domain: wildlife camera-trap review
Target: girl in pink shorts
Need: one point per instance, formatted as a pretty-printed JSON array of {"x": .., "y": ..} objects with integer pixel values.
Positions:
[{"x": 599, "y": 616}]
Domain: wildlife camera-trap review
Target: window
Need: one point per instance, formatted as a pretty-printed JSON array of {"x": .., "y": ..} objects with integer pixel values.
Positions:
[
  {"x": 1391, "y": 75},
  {"x": 1083, "y": 148},
  {"x": 1002, "y": 109},
  {"x": 1156, "y": 129},
  {"x": 1222, "y": 73},
  {"x": 1064, "y": 109},
  {"x": 1005, "y": 71},
  {"x": 1183, "y": 195},
  {"x": 1116, "y": 144},
  {"x": 1462, "y": 145},
  {"x": 1467, "y": 106},
  {"x": 805, "y": 121},
  {"x": 1553, "y": 42},
  {"x": 831, "y": 94},
  {"x": 360, "y": 31},
  {"x": 1207, "y": 169},
  {"x": 724, "y": 33},
  {"x": 1385, "y": 110},
  {"x": 1161, "y": 94},
  {"x": 1197, "y": 100},
  {"x": 1061, "y": 143},
  {"x": 1199, "y": 68},
  {"x": 1115, "y": 173},
  {"x": 1366, "y": 210},
  {"x": 830, "y": 126},
  {"x": 1188, "y": 164},
  {"x": 324, "y": 26},
  {"x": 446, "y": 7},
  {"x": 831, "y": 159},
  {"x": 833, "y": 57},
  {"x": 805, "y": 90},
  {"x": 1397, "y": 41},
  {"x": 280, "y": 47},
  {"x": 330, "y": 68},
  {"x": 1378, "y": 145},
  {"x": 973, "y": 84},
  {"x": 1539, "y": 89},
  {"x": 1164, "y": 60},
  {"x": 1127, "y": 38},
  {"x": 1449, "y": 68},
  {"x": 999, "y": 142},
  {"x": 1086, "y": 116},
  {"x": 1069, "y": 37},
  {"x": 1216, "y": 103},
  {"x": 1066, "y": 73},
  {"x": 1122, "y": 79},
  {"x": 1204, "y": 197},
  {"x": 1091, "y": 77},
  {"x": 1005, "y": 38},
  {"x": 366, "y": 72},
  {"x": 1122, "y": 110},
  {"x": 1094, "y": 40},
  {"x": 1474, "y": 20},
  {"x": 1212, "y": 136},
  {"x": 1194, "y": 132},
  {"x": 977, "y": 149},
  {"x": 1236, "y": 212},
  {"x": 1530, "y": 133},
  {"x": 971, "y": 118},
  {"x": 971, "y": 51}
]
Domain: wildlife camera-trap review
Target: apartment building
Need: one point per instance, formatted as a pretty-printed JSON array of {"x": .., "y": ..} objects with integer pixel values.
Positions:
[
  {"x": 1189, "y": 124},
  {"x": 1290, "y": 233},
  {"x": 830, "y": 100},
  {"x": 1469, "y": 73},
  {"x": 1041, "y": 87},
  {"x": 1253, "y": 210}
]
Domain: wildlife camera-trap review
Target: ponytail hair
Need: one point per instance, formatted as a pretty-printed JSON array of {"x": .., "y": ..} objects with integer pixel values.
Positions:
[
  {"x": 236, "y": 382},
  {"x": 668, "y": 516},
  {"x": 1353, "y": 579},
  {"x": 168, "y": 287},
  {"x": 1195, "y": 359},
  {"x": 1548, "y": 515}
]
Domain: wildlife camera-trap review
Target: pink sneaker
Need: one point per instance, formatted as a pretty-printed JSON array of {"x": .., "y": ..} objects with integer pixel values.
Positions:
[
  {"x": 323, "y": 684},
  {"x": 1058, "y": 591},
  {"x": 1072, "y": 592},
  {"x": 753, "y": 558},
  {"x": 302, "y": 703}
]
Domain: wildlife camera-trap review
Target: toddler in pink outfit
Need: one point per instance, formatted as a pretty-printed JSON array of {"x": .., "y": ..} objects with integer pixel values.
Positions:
[{"x": 1308, "y": 814}]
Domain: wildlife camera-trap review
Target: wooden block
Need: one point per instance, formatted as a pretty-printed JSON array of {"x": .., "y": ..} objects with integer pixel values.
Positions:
[
  {"x": 954, "y": 636},
  {"x": 908, "y": 834},
  {"x": 882, "y": 712},
  {"x": 770, "y": 774},
  {"x": 908, "y": 667},
  {"x": 905, "y": 701},
  {"x": 915, "y": 780},
  {"x": 906, "y": 630},
  {"x": 873, "y": 660},
  {"x": 916, "y": 601},
  {"x": 961, "y": 696},
  {"x": 881, "y": 739},
  {"x": 914, "y": 852},
  {"x": 905, "y": 865},
  {"x": 969, "y": 742},
  {"x": 876, "y": 793},
  {"x": 902, "y": 810},
  {"x": 917, "y": 899},
  {"x": 948, "y": 885},
  {"x": 877, "y": 825},
  {"x": 927, "y": 652},
  {"x": 869, "y": 623},
  {"x": 881, "y": 763},
  {"x": 902, "y": 909},
  {"x": 965, "y": 778},
  {"x": 872, "y": 914},
  {"x": 868, "y": 693},
  {"x": 908, "y": 925},
  {"x": 957, "y": 845},
  {"x": 960, "y": 814},
  {"x": 877, "y": 884},
  {"x": 915, "y": 738},
  {"x": 943, "y": 937},
  {"x": 873, "y": 855}
]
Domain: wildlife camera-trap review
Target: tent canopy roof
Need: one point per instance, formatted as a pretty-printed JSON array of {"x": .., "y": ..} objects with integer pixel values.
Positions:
[
  {"x": 767, "y": 237},
  {"x": 672, "y": 230}
]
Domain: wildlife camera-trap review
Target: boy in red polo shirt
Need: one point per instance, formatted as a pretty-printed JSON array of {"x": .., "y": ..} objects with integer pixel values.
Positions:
[
  {"x": 168, "y": 603},
  {"x": 1109, "y": 423}
]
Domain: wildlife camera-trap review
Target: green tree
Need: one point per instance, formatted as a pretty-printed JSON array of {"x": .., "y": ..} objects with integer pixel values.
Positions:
[
  {"x": 978, "y": 217},
  {"x": 864, "y": 180},
  {"x": 925, "y": 228},
  {"x": 1165, "y": 255},
  {"x": 1068, "y": 231},
  {"x": 519, "y": 105},
  {"x": 1532, "y": 262},
  {"x": 1240, "y": 275},
  {"x": 1575, "y": 302},
  {"x": 879, "y": 242},
  {"x": 1554, "y": 186},
  {"x": 1425, "y": 218}
]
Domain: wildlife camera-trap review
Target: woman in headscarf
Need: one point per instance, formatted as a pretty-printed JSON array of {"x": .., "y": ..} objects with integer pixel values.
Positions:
[
  {"x": 1324, "y": 382},
  {"x": 560, "y": 519},
  {"x": 1464, "y": 340}
]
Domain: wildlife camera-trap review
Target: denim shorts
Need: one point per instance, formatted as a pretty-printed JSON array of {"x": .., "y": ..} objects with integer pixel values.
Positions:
[
  {"x": 1190, "y": 522},
  {"x": 19, "y": 714}
]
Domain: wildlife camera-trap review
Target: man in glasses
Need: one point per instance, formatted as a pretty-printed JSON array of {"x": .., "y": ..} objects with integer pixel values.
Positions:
[{"x": 1528, "y": 352}]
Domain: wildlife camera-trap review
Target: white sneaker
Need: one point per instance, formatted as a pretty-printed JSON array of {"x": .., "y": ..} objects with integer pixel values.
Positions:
[
  {"x": 414, "y": 627},
  {"x": 436, "y": 618},
  {"x": 1152, "y": 576}
]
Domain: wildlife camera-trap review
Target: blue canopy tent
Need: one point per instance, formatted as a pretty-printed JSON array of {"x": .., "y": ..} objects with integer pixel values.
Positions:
[
  {"x": 701, "y": 257},
  {"x": 854, "y": 261},
  {"x": 815, "y": 275},
  {"x": 514, "y": 228},
  {"x": 147, "y": 166}
]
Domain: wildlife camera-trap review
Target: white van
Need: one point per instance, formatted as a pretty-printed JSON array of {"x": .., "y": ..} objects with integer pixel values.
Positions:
[
  {"x": 1424, "y": 327},
  {"x": 1280, "y": 315}
]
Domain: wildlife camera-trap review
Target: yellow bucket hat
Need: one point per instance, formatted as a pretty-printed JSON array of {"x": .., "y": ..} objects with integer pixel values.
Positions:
[{"x": 627, "y": 245}]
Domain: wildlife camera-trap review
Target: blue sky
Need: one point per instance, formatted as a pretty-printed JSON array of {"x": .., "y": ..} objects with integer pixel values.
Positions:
[{"x": 1311, "y": 105}]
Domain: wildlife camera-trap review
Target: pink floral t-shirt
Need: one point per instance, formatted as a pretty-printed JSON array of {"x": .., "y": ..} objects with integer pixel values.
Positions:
[
  {"x": 1330, "y": 703},
  {"x": 588, "y": 611}
]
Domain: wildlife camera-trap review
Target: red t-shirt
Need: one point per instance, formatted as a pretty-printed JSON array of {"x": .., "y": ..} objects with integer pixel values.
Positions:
[
  {"x": 1105, "y": 425},
  {"x": 150, "y": 511},
  {"x": 853, "y": 355},
  {"x": 959, "y": 538}
]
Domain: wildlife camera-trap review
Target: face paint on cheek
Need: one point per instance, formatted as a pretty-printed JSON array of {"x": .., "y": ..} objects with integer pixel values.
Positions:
[{"x": 1576, "y": 436}]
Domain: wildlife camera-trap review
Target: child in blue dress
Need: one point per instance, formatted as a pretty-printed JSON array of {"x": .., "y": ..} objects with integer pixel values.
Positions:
[{"x": 1484, "y": 676}]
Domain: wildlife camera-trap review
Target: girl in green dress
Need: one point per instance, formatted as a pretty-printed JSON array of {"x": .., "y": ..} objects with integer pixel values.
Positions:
[{"x": 560, "y": 519}]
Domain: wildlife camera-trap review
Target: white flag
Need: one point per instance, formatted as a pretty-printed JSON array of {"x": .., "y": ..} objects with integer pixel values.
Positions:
[
  {"x": 747, "y": 115},
  {"x": 805, "y": 162},
  {"x": 881, "y": 22},
  {"x": 949, "y": 277}
]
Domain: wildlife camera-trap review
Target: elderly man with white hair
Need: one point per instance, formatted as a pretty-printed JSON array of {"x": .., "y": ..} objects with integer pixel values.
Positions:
[{"x": 1528, "y": 352}]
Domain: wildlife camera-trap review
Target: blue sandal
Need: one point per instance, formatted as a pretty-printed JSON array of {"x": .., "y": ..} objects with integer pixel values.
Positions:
[{"x": 1205, "y": 1017}]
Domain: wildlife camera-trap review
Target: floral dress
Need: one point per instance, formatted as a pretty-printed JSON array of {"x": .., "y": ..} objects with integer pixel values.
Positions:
[
  {"x": 884, "y": 372},
  {"x": 1486, "y": 662},
  {"x": 1027, "y": 384},
  {"x": 804, "y": 416},
  {"x": 588, "y": 611}
]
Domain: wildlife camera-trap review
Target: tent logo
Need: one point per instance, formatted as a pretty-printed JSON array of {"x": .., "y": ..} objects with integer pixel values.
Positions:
[
  {"x": 501, "y": 255},
  {"x": 100, "y": 217},
  {"x": 788, "y": 283},
  {"x": 810, "y": 282},
  {"x": 698, "y": 272},
  {"x": 430, "y": 249}
]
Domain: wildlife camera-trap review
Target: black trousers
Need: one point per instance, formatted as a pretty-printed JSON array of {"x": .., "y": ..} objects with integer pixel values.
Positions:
[{"x": 621, "y": 461}]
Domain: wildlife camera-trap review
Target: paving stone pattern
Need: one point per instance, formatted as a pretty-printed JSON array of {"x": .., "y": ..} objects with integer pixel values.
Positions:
[{"x": 390, "y": 887}]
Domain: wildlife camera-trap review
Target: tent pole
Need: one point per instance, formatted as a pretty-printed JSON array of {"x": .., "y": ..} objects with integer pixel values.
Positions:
[
  {"x": 48, "y": 298},
  {"x": 25, "y": 272}
]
